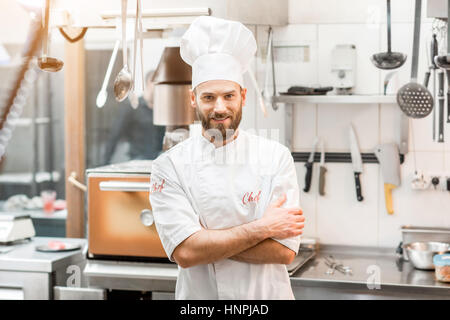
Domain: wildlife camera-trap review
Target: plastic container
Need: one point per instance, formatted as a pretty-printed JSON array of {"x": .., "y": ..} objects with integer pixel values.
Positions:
[{"x": 442, "y": 267}]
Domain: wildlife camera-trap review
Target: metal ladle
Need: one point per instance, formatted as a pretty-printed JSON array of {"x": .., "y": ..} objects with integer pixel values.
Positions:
[
  {"x": 443, "y": 62},
  {"x": 388, "y": 60},
  {"x": 123, "y": 82},
  {"x": 103, "y": 94},
  {"x": 46, "y": 63}
]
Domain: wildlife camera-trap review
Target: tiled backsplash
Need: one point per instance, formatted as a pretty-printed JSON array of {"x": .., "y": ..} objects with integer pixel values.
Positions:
[{"x": 337, "y": 217}]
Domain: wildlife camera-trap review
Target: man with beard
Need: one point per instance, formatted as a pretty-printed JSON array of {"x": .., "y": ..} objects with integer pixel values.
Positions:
[{"x": 226, "y": 202}]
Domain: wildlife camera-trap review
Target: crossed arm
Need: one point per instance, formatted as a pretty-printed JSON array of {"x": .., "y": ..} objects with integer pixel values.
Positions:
[
  {"x": 249, "y": 242},
  {"x": 208, "y": 246}
]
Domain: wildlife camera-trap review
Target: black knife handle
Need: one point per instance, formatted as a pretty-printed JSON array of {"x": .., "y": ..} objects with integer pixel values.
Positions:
[
  {"x": 358, "y": 187},
  {"x": 308, "y": 176}
]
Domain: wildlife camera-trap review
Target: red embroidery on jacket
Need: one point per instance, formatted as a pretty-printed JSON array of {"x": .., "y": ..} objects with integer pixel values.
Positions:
[
  {"x": 155, "y": 187},
  {"x": 249, "y": 197}
]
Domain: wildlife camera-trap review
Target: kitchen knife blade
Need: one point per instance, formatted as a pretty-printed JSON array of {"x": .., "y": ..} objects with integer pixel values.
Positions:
[
  {"x": 322, "y": 170},
  {"x": 309, "y": 166},
  {"x": 356, "y": 162},
  {"x": 404, "y": 134},
  {"x": 388, "y": 156}
]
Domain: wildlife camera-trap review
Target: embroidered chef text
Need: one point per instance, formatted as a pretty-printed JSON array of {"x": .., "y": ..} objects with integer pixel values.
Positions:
[
  {"x": 251, "y": 197},
  {"x": 155, "y": 187}
]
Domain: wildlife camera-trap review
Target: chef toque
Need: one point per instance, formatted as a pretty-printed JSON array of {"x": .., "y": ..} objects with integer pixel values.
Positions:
[{"x": 217, "y": 49}]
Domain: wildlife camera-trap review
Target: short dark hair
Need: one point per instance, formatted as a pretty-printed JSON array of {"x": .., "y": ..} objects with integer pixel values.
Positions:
[{"x": 149, "y": 75}]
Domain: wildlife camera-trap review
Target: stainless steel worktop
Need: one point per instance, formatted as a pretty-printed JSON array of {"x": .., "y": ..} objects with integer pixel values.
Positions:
[
  {"x": 29, "y": 274},
  {"x": 369, "y": 265},
  {"x": 24, "y": 257},
  {"x": 393, "y": 275}
]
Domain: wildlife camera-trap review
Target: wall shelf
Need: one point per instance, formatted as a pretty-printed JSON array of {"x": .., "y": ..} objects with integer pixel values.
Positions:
[{"x": 347, "y": 99}]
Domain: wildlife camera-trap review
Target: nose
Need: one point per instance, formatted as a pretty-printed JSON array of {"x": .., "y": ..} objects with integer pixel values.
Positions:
[{"x": 220, "y": 105}]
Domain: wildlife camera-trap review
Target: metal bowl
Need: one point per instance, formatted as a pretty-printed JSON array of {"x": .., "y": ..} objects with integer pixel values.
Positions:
[{"x": 421, "y": 254}]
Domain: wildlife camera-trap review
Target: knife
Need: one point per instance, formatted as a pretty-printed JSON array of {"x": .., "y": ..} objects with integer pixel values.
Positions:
[
  {"x": 322, "y": 170},
  {"x": 309, "y": 166},
  {"x": 357, "y": 162},
  {"x": 387, "y": 155}
]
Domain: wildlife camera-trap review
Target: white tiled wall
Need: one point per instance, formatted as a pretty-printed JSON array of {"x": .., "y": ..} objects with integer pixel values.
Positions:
[{"x": 337, "y": 217}]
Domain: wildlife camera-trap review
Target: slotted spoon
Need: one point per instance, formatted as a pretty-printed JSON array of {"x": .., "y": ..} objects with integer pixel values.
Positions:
[{"x": 413, "y": 98}]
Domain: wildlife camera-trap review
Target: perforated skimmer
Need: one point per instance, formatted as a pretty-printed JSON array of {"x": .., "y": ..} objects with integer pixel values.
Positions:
[{"x": 413, "y": 98}]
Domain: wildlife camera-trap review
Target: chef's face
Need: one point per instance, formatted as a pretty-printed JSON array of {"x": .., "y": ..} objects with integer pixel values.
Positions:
[{"x": 219, "y": 105}]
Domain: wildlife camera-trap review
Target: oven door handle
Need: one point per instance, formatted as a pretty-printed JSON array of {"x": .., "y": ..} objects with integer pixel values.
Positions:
[{"x": 124, "y": 186}]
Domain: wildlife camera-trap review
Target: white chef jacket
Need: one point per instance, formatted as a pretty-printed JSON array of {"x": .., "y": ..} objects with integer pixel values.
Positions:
[{"x": 195, "y": 184}]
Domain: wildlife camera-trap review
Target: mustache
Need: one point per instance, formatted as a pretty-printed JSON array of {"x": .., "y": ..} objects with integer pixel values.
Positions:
[{"x": 219, "y": 116}]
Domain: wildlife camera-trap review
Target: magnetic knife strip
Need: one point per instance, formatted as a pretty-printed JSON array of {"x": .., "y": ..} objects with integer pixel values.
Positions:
[{"x": 343, "y": 157}]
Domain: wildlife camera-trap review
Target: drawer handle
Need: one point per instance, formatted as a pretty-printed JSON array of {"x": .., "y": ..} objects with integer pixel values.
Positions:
[
  {"x": 125, "y": 186},
  {"x": 146, "y": 217},
  {"x": 73, "y": 180}
]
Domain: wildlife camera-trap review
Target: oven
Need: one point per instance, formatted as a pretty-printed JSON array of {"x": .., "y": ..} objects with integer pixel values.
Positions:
[{"x": 120, "y": 222}]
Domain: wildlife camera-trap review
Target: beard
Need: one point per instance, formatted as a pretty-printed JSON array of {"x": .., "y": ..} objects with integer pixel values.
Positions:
[{"x": 224, "y": 131}]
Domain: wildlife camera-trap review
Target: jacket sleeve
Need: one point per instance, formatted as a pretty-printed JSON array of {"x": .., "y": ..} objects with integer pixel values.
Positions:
[
  {"x": 285, "y": 181},
  {"x": 175, "y": 219}
]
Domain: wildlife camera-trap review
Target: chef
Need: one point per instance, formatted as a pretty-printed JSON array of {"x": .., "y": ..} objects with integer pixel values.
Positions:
[{"x": 226, "y": 202}]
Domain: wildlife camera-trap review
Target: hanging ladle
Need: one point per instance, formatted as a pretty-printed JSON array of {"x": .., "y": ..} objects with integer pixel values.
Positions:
[
  {"x": 443, "y": 62},
  {"x": 388, "y": 60},
  {"x": 123, "y": 82},
  {"x": 46, "y": 63},
  {"x": 103, "y": 93}
]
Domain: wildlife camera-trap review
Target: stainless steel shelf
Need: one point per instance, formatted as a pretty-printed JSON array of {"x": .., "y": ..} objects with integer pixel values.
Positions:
[
  {"x": 26, "y": 122},
  {"x": 339, "y": 99},
  {"x": 26, "y": 178}
]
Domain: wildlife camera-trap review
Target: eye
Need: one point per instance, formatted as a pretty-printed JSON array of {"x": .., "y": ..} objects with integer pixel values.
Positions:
[
  {"x": 229, "y": 96},
  {"x": 208, "y": 98}
]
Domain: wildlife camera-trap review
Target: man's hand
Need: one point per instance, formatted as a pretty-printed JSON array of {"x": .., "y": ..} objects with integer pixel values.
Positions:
[{"x": 282, "y": 223}]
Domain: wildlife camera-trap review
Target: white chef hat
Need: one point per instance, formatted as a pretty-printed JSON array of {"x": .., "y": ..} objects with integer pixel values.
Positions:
[{"x": 217, "y": 49}]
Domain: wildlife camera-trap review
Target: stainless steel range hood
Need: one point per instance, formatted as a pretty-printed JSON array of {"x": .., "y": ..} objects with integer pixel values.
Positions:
[{"x": 172, "y": 80}]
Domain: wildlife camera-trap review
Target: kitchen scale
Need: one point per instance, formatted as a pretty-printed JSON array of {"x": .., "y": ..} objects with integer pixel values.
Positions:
[{"x": 15, "y": 227}]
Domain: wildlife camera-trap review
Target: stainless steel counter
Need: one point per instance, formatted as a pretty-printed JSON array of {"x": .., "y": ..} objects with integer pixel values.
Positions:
[
  {"x": 24, "y": 257},
  {"x": 376, "y": 273},
  {"x": 29, "y": 274},
  {"x": 395, "y": 280}
]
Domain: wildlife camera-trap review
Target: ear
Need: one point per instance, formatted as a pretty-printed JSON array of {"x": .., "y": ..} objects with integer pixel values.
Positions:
[
  {"x": 244, "y": 95},
  {"x": 193, "y": 98}
]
